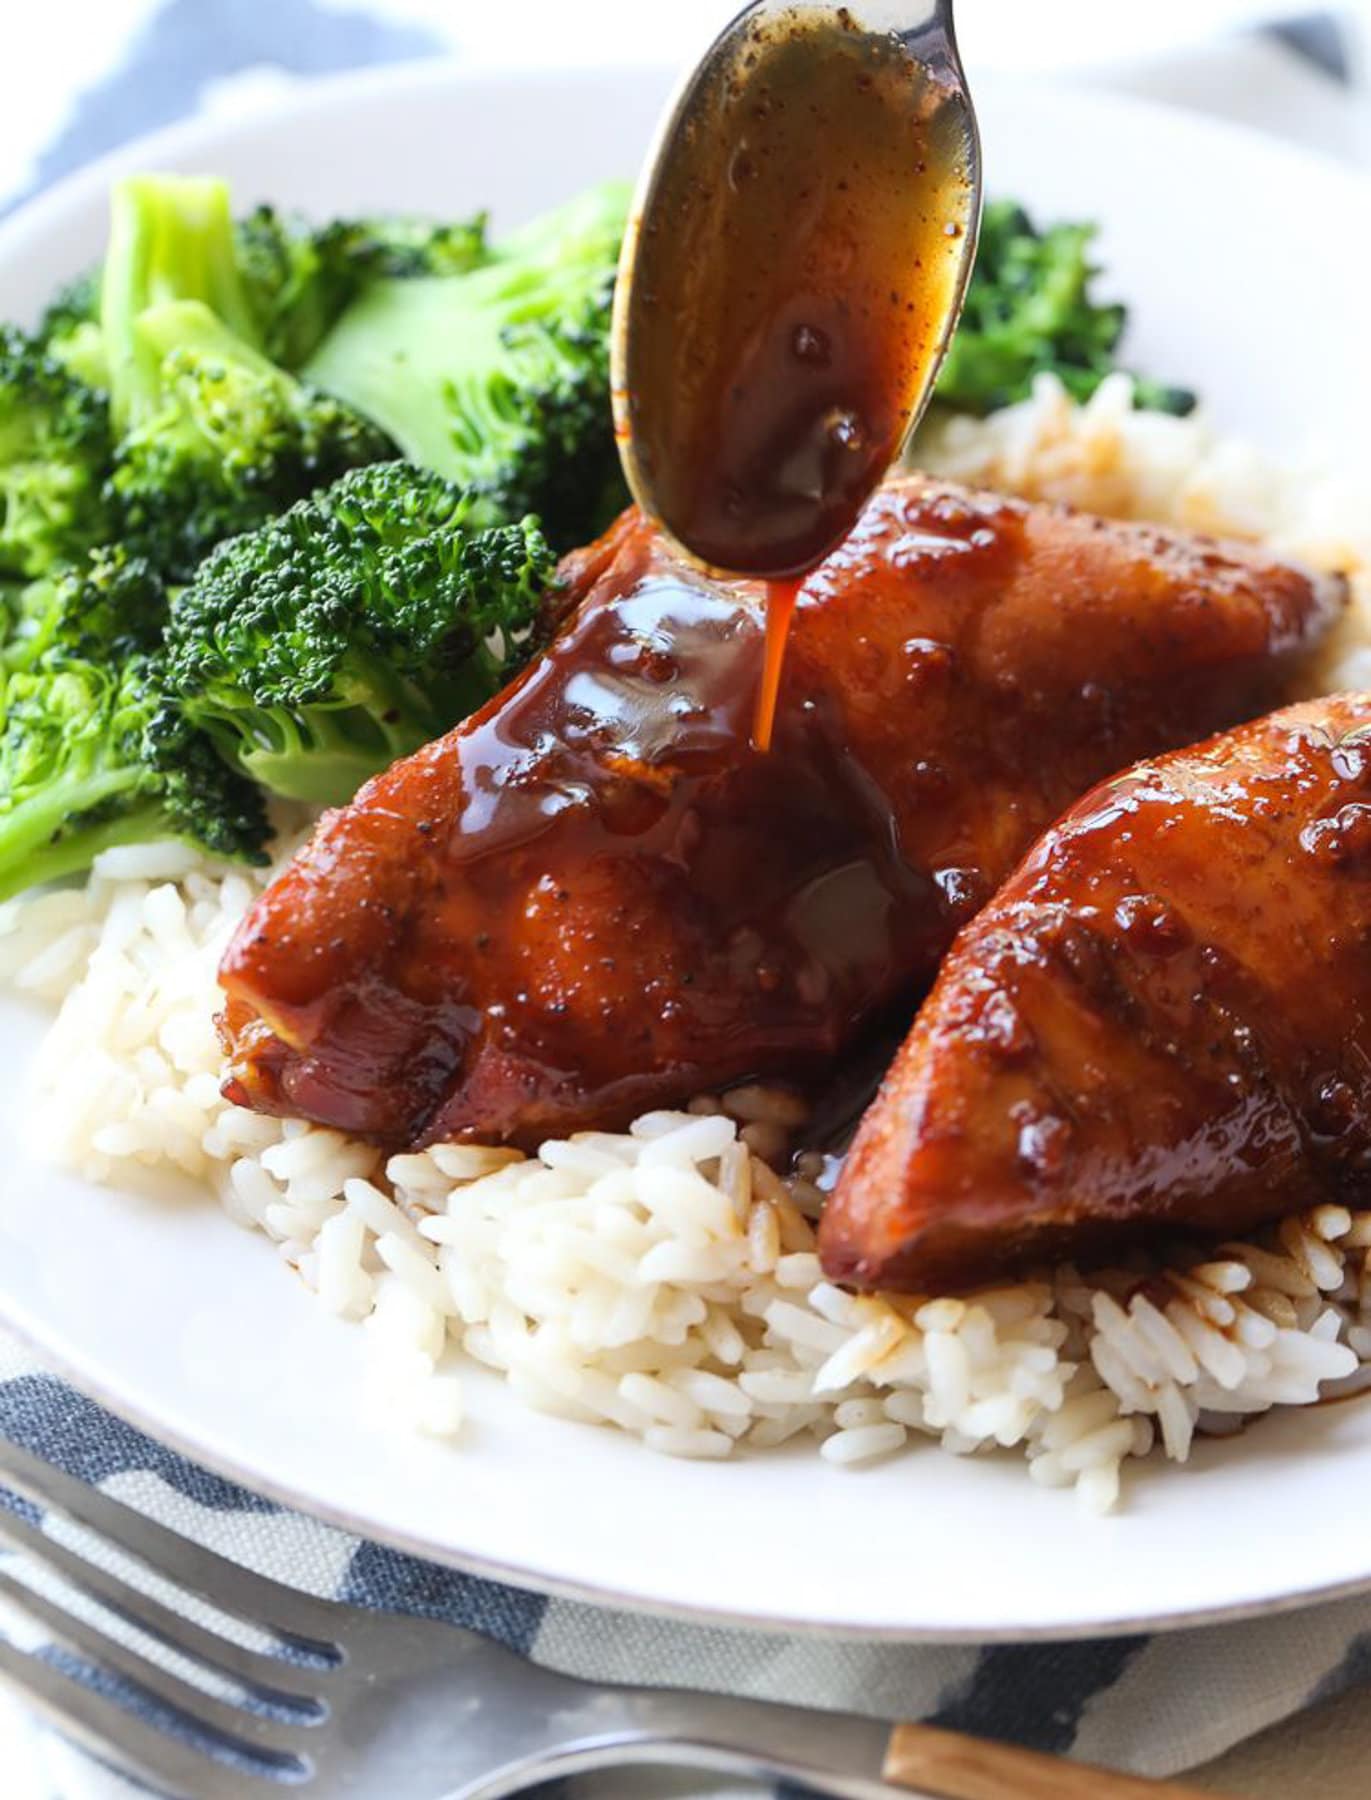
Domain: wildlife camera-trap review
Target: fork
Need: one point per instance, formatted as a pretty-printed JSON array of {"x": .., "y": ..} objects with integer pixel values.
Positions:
[{"x": 358, "y": 1704}]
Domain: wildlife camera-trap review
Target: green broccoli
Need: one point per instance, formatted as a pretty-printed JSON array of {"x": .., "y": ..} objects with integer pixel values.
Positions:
[
  {"x": 299, "y": 277},
  {"x": 212, "y": 435},
  {"x": 499, "y": 378},
  {"x": 54, "y": 456},
  {"x": 111, "y": 607},
  {"x": 223, "y": 440},
  {"x": 92, "y": 755},
  {"x": 170, "y": 238},
  {"x": 70, "y": 330},
  {"x": 353, "y": 628},
  {"x": 1029, "y": 310},
  {"x": 94, "y": 751},
  {"x": 13, "y": 608},
  {"x": 76, "y": 303},
  {"x": 405, "y": 246}
]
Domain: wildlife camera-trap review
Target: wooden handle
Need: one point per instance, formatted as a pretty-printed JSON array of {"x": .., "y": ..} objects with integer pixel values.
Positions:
[{"x": 966, "y": 1768}]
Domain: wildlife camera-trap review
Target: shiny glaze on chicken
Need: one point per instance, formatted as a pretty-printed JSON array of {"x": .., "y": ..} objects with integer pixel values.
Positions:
[
  {"x": 596, "y": 895},
  {"x": 1162, "y": 1020}
]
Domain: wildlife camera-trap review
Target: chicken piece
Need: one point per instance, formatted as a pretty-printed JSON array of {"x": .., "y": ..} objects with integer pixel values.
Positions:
[
  {"x": 596, "y": 895},
  {"x": 1161, "y": 1022}
]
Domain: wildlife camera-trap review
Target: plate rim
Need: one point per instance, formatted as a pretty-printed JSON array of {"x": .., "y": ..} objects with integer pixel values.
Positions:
[
  {"x": 83, "y": 1375},
  {"x": 47, "y": 209},
  {"x": 304, "y": 93}
]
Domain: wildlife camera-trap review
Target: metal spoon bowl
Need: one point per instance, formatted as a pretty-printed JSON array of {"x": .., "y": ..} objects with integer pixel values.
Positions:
[{"x": 801, "y": 241}]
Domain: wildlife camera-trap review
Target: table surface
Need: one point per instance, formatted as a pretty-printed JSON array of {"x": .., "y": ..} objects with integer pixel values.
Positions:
[{"x": 1320, "y": 1755}]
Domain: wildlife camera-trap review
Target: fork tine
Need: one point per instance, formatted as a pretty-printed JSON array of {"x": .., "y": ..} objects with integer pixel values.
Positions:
[
  {"x": 249, "y": 1733},
  {"x": 264, "y": 1675},
  {"x": 118, "y": 1738},
  {"x": 254, "y": 1598}
]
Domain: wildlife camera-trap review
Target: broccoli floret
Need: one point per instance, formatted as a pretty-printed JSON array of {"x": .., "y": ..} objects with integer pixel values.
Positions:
[
  {"x": 225, "y": 440},
  {"x": 94, "y": 751},
  {"x": 171, "y": 238},
  {"x": 109, "y": 608},
  {"x": 212, "y": 435},
  {"x": 499, "y": 378},
  {"x": 54, "y": 455},
  {"x": 296, "y": 277},
  {"x": 70, "y": 330},
  {"x": 353, "y": 628},
  {"x": 405, "y": 246},
  {"x": 1029, "y": 310},
  {"x": 299, "y": 277},
  {"x": 93, "y": 755},
  {"x": 13, "y": 608},
  {"x": 76, "y": 303}
]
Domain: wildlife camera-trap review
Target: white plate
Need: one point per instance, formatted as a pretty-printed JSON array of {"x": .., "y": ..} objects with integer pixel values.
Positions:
[{"x": 1248, "y": 276}]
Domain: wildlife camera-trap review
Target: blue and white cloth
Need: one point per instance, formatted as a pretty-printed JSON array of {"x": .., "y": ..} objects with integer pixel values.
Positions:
[
  {"x": 1152, "y": 1704},
  {"x": 1156, "y": 1705}
]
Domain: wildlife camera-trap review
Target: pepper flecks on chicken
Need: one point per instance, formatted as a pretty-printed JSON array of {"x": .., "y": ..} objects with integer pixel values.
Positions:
[{"x": 596, "y": 896}]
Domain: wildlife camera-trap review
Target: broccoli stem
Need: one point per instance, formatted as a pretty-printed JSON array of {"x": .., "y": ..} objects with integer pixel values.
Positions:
[
  {"x": 324, "y": 751},
  {"x": 319, "y": 778},
  {"x": 47, "y": 836},
  {"x": 171, "y": 238},
  {"x": 192, "y": 326}
]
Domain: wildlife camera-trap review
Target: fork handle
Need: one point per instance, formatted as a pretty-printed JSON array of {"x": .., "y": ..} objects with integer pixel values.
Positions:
[
  {"x": 954, "y": 1767},
  {"x": 841, "y": 1755}
]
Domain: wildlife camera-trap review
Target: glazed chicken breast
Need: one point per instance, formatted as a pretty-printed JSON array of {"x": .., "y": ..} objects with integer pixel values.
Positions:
[
  {"x": 596, "y": 896},
  {"x": 1162, "y": 1020}
]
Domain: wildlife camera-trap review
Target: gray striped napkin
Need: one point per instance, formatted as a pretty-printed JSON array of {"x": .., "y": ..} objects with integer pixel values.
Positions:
[{"x": 1155, "y": 1705}]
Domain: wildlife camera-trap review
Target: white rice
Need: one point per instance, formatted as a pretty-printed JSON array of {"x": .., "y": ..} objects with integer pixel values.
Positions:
[
  {"x": 664, "y": 1281},
  {"x": 1107, "y": 458}
]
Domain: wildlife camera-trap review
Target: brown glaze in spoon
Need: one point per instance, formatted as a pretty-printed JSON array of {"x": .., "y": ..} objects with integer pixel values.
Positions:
[{"x": 802, "y": 238}]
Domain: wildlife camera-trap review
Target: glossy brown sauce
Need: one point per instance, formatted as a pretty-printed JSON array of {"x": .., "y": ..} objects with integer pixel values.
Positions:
[
  {"x": 780, "y": 609},
  {"x": 1160, "y": 1021},
  {"x": 643, "y": 709},
  {"x": 598, "y": 895},
  {"x": 601, "y": 812},
  {"x": 846, "y": 204}
]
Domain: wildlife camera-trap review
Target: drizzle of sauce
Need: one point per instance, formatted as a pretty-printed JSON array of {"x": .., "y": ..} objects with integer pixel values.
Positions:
[
  {"x": 780, "y": 607},
  {"x": 791, "y": 298},
  {"x": 596, "y": 896}
]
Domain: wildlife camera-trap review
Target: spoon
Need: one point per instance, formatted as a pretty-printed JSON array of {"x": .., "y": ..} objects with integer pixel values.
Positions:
[{"x": 800, "y": 244}]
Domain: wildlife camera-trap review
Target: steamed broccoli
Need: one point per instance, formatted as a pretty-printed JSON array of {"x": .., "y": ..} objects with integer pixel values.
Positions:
[
  {"x": 94, "y": 751},
  {"x": 70, "y": 330},
  {"x": 76, "y": 303},
  {"x": 212, "y": 435},
  {"x": 92, "y": 755},
  {"x": 111, "y": 607},
  {"x": 499, "y": 378},
  {"x": 299, "y": 277},
  {"x": 1029, "y": 310},
  {"x": 404, "y": 246},
  {"x": 54, "y": 455},
  {"x": 222, "y": 439},
  {"x": 353, "y": 628}
]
